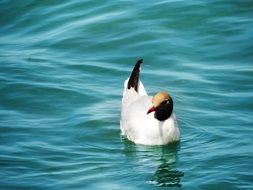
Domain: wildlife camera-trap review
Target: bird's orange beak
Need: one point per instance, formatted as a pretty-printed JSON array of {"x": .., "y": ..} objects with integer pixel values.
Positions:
[{"x": 151, "y": 109}]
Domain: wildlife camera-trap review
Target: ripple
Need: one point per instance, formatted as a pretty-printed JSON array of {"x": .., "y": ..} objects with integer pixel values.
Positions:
[{"x": 61, "y": 79}]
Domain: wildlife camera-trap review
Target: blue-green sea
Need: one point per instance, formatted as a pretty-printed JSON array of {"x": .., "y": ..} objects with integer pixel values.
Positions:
[{"x": 62, "y": 68}]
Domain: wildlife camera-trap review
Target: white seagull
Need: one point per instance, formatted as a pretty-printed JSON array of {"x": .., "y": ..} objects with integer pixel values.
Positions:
[{"x": 144, "y": 119}]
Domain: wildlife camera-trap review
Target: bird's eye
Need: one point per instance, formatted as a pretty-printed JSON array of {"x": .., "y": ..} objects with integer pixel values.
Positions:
[{"x": 166, "y": 101}]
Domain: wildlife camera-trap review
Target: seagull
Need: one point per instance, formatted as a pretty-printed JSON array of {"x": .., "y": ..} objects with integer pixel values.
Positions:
[{"x": 145, "y": 119}]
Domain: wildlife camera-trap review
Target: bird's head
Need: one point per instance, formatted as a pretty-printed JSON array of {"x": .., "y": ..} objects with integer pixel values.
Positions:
[{"x": 162, "y": 106}]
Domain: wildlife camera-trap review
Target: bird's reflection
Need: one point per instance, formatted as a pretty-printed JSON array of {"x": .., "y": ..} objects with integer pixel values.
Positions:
[
  {"x": 165, "y": 157},
  {"x": 166, "y": 175}
]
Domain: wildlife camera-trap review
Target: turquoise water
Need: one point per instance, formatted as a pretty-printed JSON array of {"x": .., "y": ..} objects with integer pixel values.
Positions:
[{"x": 62, "y": 69}]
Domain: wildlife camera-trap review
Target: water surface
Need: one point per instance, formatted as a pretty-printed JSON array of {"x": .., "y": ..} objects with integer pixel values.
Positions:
[{"x": 62, "y": 69}]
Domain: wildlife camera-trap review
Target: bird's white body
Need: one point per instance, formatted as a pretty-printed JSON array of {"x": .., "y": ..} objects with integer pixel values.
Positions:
[{"x": 140, "y": 127}]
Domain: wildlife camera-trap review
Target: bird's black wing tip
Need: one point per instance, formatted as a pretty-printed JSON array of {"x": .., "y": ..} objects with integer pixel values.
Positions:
[
  {"x": 139, "y": 61},
  {"x": 134, "y": 77}
]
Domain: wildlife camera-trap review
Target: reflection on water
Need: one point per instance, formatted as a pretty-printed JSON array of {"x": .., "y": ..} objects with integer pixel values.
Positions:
[
  {"x": 166, "y": 174},
  {"x": 161, "y": 160}
]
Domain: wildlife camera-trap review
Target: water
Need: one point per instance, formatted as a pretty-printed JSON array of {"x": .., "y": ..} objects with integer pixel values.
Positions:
[{"x": 62, "y": 69}]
